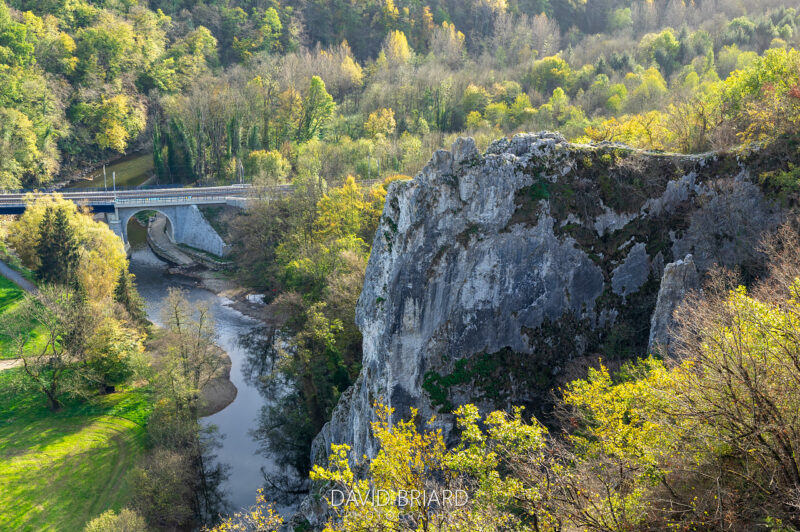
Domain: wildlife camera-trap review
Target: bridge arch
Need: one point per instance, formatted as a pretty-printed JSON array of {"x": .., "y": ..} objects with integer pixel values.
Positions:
[
  {"x": 127, "y": 215},
  {"x": 186, "y": 225}
]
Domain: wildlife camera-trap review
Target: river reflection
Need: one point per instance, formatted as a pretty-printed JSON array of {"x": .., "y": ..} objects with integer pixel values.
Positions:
[{"x": 239, "y": 452}]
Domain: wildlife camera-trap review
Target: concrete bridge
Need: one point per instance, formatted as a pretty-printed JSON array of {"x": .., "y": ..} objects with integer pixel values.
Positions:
[{"x": 186, "y": 224}]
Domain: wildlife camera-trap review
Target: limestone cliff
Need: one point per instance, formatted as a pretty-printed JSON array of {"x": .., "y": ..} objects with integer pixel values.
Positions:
[
  {"x": 491, "y": 274},
  {"x": 679, "y": 278}
]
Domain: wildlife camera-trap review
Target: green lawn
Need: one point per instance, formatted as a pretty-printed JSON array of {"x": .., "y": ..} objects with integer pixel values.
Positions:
[
  {"x": 10, "y": 295},
  {"x": 57, "y": 471}
]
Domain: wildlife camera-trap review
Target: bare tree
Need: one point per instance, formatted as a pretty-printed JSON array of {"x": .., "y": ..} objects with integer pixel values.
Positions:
[
  {"x": 189, "y": 357},
  {"x": 49, "y": 332}
]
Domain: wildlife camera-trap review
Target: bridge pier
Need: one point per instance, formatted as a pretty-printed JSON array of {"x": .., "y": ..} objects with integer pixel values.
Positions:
[
  {"x": 115, "y": 224},
  {"x": 188, "y": 226},
  {"x": 113, "y": 221}
]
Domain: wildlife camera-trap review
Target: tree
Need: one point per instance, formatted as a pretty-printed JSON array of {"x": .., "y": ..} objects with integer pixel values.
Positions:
[
  {"x": 340, "y": 212},
  {"x": 18, "y": 144},
  {"x": 190, "y": 358},
  {"x": 125, "y": 294},
  {"x": 100, "y": 253},
  {"x": 102, "y": 256},
  {"x": 267, "y": 168},
  {"x": 162, "y": 488},
  {"x": 549, "y": 73},
  {"x": 57, "y": 248},
  {"x": 107, "y": 48},
  {"x": 416, "y": 483},
  {"x": 111, "y": 354},
  {"x": 110, "y": 521},
  {"x": 53, "y": 364},
  {"x": 112, "y": 121},
  {"x": 380, "y": 123},
  {"x": 261, "y": 517},
  {"x": 16, "y": 48},
  {"x": 396, "y": 48},
  {"x": 318, "y": 108}
]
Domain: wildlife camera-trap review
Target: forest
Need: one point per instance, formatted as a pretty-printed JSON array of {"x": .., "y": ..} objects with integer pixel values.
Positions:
[
  {"x": 340, "y": 99},
  {"x": 219, "y": 90}
]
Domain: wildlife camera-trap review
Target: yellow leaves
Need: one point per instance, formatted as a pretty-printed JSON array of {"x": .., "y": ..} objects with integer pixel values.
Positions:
[
  {"x": 649, "y": 130},
  {"x": 626, "y": 420},
  {"x": 353, "y": 70},
  {"x": 102, "y": 259},
  {"x": 340, "y": 212},
  {"x": 102, "y": 254},
  {"x": 261, "y": 516},
  {"x": 396, "y": 48},
  {"x": 18, "y": 144},
  {"x": 380, "y": 123},
  {"x": 267, "y": 168},
  {"x": 411, "y": 460},
  {"x": 113, "y": 120}
]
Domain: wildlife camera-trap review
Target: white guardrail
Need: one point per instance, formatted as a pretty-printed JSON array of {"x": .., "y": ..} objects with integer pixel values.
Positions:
[
  {"x": 145, "y": 196},
  {"x": 159, "y": 196}
]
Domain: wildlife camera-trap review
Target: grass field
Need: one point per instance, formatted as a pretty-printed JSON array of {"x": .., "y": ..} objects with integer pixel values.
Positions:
[
  {"x": 10, "y": 295},
  {"x": 58, "y": 471}
]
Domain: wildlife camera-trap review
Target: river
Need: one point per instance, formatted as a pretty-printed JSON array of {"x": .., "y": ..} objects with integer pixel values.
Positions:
[
  {"x": 131, "y": 170},
  {"x": 239, "y": 450}
]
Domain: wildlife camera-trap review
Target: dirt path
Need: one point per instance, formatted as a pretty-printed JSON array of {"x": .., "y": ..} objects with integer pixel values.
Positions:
[
  {"x": 10, "y": 363},
  {"x": 162, "y": 245},
  {"x": 16, "y": 278}
]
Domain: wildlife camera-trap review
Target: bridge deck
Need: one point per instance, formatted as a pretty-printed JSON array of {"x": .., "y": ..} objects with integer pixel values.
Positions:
[{"x": 106, "y": 201}]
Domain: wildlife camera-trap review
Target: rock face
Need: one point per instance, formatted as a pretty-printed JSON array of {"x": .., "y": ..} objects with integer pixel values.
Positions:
[
  {"x": 679, "y": 278},
  {"x": 489, "y": 273}
]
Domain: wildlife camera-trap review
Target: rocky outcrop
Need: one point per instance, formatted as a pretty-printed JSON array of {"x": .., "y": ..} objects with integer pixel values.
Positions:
[
  {"x": 490, "y": 273},
  {"x": 679, "y": 278}
]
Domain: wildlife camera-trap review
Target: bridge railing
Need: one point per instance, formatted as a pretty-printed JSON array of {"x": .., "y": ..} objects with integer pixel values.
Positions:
[
  {"x": 161, "y": 194},
  {"x": 177, "y": 200},
  {"x": 109, "y": 189}
]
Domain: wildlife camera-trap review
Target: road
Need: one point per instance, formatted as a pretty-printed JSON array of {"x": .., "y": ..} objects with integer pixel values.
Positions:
[
  {"x": 10, "y": 363},
  {"x": 14, "y": 276},
  {"x": 162, "y": 194},
  {"x": 105, "y": 201},
  {"x": 165, "y": 248},
  {"x": 19, "y": 280}
]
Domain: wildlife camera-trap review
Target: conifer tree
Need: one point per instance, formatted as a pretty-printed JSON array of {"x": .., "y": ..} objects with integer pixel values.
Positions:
[
  {"x": 57, "y": 249},
  {"x": 126, "y": 295},
  {"x": 45, "y": 245}
]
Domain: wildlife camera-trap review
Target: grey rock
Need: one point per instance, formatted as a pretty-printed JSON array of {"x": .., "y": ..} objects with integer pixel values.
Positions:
[
  {"x": 611, "y": 221},
  {"x": 724, "y": 230},
  {"x": 464, "y": 151},
  {"x": 459, "y": 267},
  {"x": 679, "y": 278},
  {"x": 629, "y": 276},
  {"x": 453, "y": 280}
]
